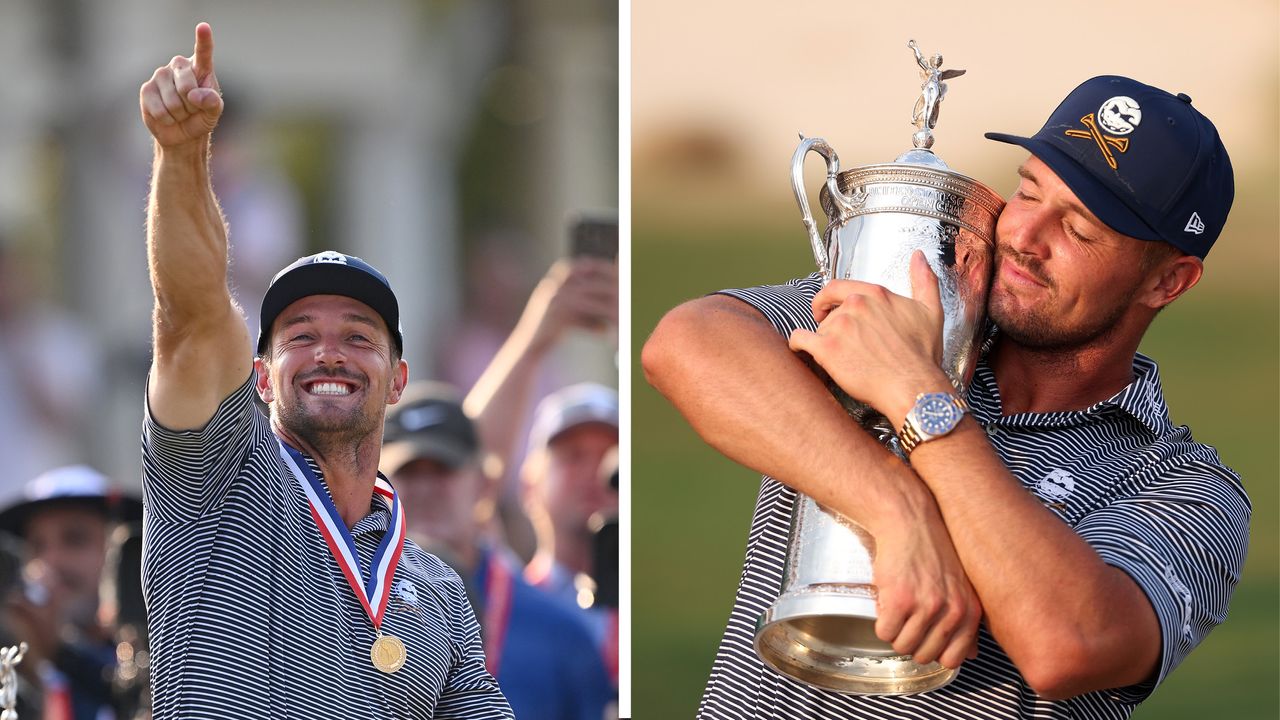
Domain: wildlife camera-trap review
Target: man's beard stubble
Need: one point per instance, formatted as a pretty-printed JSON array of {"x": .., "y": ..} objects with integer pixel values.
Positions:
[
  {"x": 329, "y": 431},
  {"x": 1039, "y": 328}
]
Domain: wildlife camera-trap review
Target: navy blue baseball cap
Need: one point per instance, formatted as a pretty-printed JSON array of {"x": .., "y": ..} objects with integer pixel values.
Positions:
[
  {"x": 1145, "y": 162},
  {"x": 330, "y": 273}
]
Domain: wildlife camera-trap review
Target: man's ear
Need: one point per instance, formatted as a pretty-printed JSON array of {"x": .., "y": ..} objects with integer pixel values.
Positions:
[
  {"x": 399, "y": 379},
  {"x": 263, "y": 381},
  {"x": 1169, "y": 279}
]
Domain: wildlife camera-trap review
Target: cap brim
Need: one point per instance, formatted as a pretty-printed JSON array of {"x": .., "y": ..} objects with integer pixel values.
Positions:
[
  {"x": 1105, "y": 205},
  {"x": 605, "y": 422},
  {"x": 395, "y": 455},
  {"x": 116, "y": 508}
]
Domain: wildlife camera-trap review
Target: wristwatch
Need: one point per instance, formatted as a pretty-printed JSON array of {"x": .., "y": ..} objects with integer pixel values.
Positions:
[{"x": 934, "y": 415}]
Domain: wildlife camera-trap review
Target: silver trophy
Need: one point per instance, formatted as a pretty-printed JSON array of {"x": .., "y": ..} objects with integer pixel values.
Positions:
[
  {"x": 9, "y": 658},
  {"x": 821, "y": 629}
]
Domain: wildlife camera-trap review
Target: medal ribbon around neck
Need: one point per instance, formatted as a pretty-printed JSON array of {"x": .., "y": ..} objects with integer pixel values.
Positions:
[{"x": 374, "y": 593}]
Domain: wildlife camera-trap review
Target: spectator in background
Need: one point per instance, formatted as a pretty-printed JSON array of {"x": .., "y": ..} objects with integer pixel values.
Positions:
[
  {"x": 578, "y": 293},
  {"x": 574, "y": 430},
  {"x": 49, "y": 376},
  {"x": 541, "y": 652},
  {"x": 63, "y": 526}
]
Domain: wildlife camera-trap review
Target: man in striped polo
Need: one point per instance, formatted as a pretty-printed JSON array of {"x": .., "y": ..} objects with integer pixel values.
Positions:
[
  {"x": 278, "y": 577},
  {"x": 1102, "y": 543}
]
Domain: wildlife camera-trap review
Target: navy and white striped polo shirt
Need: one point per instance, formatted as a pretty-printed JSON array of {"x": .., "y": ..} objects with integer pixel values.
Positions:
[
  {"x": 250, "y": 615},
  {"x": 1150, "y": 500}
]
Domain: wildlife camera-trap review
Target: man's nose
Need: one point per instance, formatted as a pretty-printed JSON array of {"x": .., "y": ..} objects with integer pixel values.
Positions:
[
  {"x": 1023, "y": 231},
  {"x": 329, "y": 352}
]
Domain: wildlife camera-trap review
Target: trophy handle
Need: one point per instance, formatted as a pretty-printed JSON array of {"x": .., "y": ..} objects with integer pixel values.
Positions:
[{"x": 821, "y": 147}]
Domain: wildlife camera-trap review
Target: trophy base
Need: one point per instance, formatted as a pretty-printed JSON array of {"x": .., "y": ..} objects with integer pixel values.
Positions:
[{"x": 827, "y": 640}]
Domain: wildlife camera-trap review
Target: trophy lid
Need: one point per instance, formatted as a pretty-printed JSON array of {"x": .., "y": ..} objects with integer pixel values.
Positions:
[{"x": 922, "y": 157}]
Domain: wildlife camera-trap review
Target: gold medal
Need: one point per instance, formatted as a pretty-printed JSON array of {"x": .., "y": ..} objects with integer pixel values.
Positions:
[{"x": 387, "y": 653}]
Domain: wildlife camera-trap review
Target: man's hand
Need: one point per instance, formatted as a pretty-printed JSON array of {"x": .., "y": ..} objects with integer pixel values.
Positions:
[
  {"x": 925, "y": 604},
  {"x": 881, "y": 348},
  {"x": 577, "y": 292},
  {"x": 181, "y": 103}
]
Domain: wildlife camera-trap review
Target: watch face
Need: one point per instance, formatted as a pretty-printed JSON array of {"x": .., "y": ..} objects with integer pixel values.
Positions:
[{"x": 937, "y": 413}]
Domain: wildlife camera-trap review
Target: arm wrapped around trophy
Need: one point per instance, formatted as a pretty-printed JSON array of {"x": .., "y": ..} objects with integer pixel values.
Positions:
[{"x": 821, "y": 629}]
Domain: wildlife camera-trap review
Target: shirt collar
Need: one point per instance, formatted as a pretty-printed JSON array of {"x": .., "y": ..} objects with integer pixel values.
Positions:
[
  {"x": 377, "y": 520},
  {"x": 1142, "y": 398}
]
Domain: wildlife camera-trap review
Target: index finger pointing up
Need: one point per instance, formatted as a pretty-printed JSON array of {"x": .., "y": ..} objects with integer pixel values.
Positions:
[{"x": 203, "y": 57}]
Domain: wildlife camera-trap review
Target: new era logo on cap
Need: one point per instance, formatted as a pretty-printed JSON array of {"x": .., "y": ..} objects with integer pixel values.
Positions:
[{"x": 1195, "y": 224}]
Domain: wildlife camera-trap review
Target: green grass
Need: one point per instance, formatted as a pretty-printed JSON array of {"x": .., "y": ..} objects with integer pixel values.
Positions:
[{"x": 691, "y": 507}]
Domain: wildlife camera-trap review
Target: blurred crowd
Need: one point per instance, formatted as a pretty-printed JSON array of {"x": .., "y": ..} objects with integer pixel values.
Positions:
[
  {"x": 297, "y": 168},
  {"x": 506, "y": 461}
]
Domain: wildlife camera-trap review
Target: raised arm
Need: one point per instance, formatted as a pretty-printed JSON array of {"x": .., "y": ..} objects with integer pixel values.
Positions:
[
  {"x": 726, "y": 368},
  {"x": 577, "y": 292},
  {"x": 200, "y": 340}
]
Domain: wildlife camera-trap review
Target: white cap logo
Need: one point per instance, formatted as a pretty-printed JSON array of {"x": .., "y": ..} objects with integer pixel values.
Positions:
[
  {"x": 1119, "y": 115},
  {"x": 329, "y": 256},
  {"x": 1194, "y": 224}
]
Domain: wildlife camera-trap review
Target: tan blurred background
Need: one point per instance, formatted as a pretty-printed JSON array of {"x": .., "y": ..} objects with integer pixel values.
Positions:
[{"x": 720, "y": 90}]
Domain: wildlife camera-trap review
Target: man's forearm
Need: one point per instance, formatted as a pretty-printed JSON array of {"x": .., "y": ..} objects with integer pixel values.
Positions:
[
  {"x": 732, "y": 376},
  {"x": 186, "y": 239},
  {"x": 1070, "y": 622},
  {"x": 499, "y": 401}
]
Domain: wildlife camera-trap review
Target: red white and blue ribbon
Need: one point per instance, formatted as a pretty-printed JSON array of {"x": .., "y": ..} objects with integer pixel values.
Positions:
[{"x": 375, "y": 592}]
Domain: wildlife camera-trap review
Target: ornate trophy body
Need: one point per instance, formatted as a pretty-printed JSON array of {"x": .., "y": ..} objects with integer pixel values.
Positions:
[{"x": 821, "y": 630}]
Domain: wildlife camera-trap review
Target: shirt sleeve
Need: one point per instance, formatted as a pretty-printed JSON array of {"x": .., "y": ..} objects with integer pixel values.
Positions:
[
  {"x": 187, "y": 473},
  {"x": 1183, "y": 540},
  {"x": 787, "y": 306},
  {"x": 470, "y": 691}
]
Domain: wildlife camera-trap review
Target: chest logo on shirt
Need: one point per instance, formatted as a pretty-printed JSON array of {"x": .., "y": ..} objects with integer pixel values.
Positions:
[
  {"x": 406, "y": 592},
  {"x": 1057, "y": 486}
]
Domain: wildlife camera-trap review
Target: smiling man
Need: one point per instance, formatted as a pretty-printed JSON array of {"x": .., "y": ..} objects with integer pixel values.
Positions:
[
  {"x": 278, "y": 576},
  {"x": 1097, "y": 542}
]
